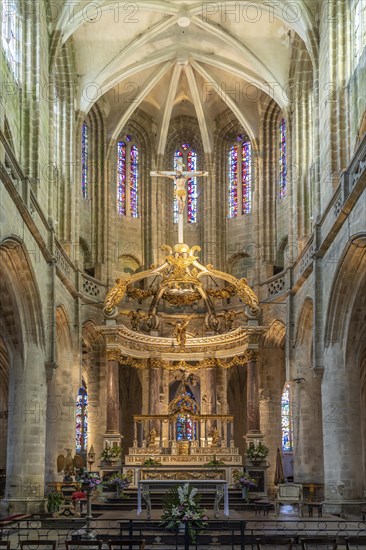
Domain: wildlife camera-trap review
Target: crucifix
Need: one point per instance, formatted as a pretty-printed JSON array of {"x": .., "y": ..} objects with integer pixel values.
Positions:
[{"x": 180, "y": 177}]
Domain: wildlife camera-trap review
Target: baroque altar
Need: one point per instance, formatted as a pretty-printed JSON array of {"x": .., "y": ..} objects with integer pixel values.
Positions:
[{"x": 182, "y": 343}]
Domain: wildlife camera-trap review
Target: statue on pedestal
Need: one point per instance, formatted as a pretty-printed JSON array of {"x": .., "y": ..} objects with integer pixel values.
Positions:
[
  {"x": 215, "y": 438},
  {"x": 153, "y": 436}
]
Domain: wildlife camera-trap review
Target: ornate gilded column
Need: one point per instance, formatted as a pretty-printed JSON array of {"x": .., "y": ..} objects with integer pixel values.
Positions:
[
  {"x": 113, "y": 392},
  {"x": 253, "y": 417}
]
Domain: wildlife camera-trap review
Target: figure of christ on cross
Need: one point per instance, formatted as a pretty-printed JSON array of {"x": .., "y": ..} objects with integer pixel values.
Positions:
[{"x": 180, "y": 177}]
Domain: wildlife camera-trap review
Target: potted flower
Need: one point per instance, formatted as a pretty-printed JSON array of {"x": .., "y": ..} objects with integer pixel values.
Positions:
[
  {"x": 54, "y": 501},
  {"x": 111, "y": 454},
  {"x": 244, "y": 482},
  {"x": 215, "y": 462},
  {"x": 182, "y": 510},
  {"x": 119, "y": 482},
  {"x": 257, "y": 453}
]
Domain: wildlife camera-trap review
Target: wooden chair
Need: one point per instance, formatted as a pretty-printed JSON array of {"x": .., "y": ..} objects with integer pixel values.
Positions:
[
  {"x": 289, "y": 493},
  {"x": 266, "y": 542},
  {"x": 319, "y": 543},
  {"x": 356, "y": 543},
  {"x": 128, "y": 544},
  {"x": 34, "y": 544},
  {"x": 76, "y": 544}
]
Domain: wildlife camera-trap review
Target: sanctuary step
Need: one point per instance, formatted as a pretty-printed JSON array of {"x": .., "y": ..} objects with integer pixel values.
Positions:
[{"x": 236, "y": 502}]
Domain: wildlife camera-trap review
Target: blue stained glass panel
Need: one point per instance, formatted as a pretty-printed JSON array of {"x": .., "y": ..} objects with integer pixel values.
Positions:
[
  {"x": 121, "y": 178},
  {"x": 82, "y": 420},
  {"x": 233, "y": 181},
  {"x": 246, "y": 177},
  {"x": 85, "y": 161},
  {"x": 192, "y": 189},
  {"x": 283, "y": 159},
  {"x": 134, "y": 181}
]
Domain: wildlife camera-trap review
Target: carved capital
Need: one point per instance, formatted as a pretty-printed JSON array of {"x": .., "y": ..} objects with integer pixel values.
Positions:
[{"x": 113, "y": 355}]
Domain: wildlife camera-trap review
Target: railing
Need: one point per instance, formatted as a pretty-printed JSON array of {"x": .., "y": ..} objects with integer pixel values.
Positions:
[{"x": 230, "y": 534}]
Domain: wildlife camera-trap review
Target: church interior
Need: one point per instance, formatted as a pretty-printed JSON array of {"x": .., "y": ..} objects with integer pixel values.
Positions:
[{"x": 183, "y": 272}]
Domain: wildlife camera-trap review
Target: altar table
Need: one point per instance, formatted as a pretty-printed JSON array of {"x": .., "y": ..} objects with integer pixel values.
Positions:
[{"x": 145, "y": 487}]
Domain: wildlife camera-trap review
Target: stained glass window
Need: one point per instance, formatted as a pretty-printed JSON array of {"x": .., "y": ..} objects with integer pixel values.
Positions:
[
  {"x": 121, "y": 178},
  {"x": 128, "y": 177},
  {"x": 82, "y": 420},
  {"x": 246, "y": 177},
  {"x": 178, "y": 159},
  {"x": 85, "y": 161},
  {"x": 286, "y": 423},
  {"x": 134, "y": 180},
  {"x": 186, "y": 428},
  {"x": 11, "y": 33},
  {"x": 192, "y": 189},
  {"x": 233, "y": 181},
  {"x": 283, "y": 159}
]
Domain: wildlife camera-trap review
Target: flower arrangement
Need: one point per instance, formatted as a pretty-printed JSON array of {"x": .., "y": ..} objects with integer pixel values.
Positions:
[
  {"x": 120, "y": 481},
  {"x": 215, "y": 462},
  {"x": 151, "y": 462},
  {"x": 243, "y": 480},
  {"x": 257, "y": 453},
  {"x": 182, "y": 504},
  {"x": 110, "y": 453},
  {"x": 89, "y": 480}
]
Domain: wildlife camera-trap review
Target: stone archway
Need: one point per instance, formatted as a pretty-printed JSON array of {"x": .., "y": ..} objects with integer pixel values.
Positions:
[
  {"x": 22, "y": 328},
  {"x": 342, "y": 379}
]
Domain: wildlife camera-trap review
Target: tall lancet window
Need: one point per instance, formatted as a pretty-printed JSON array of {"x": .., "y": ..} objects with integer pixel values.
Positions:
[
  {"x": 82, "y": 420},
  {"x": 185, "y": 158},
  {"x": 11, "y": 35},
  {"x": 246, "y": 177},
  {"x": 128, "y": 177},
  {"x": 286, "y": 420},
  {"x": 283, "y": 158},
  {"x": 240, "y": 178},
  {"x": 121, "y": 178},
  {"x": 85, "y": 161}
]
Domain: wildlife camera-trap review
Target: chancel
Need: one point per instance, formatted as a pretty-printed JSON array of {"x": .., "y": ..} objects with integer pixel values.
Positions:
[{"x": 183, "y": 252}]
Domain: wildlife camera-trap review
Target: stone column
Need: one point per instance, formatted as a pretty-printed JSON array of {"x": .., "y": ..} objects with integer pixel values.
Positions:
[
  {"x": 27, "y": 431},
  {"x": 112, "y": 395},
  {"x": 253, "y": 420}
]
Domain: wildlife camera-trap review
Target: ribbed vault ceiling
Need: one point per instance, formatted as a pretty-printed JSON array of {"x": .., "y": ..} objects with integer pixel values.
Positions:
[{"x": 138, "y": 55}]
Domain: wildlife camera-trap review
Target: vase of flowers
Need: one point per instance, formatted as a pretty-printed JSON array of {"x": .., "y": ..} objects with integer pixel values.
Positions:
[
  {"x": 257, "y": 453},
  {"x": 182, "y": 507},
  {"x": 111, "y": 454},
  {"x": 244, "y": 482},
  {"x": 118, "y": 482},
  {"x": 89, "y": 480}
]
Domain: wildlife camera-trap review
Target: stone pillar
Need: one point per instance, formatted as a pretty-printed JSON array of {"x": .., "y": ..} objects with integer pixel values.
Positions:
[
  {"x": 112, "y": 395},
  {"x": 343, "y": 461},
  {"x": 27, "y": 432},
  {"x": 253, "y": 420}
]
